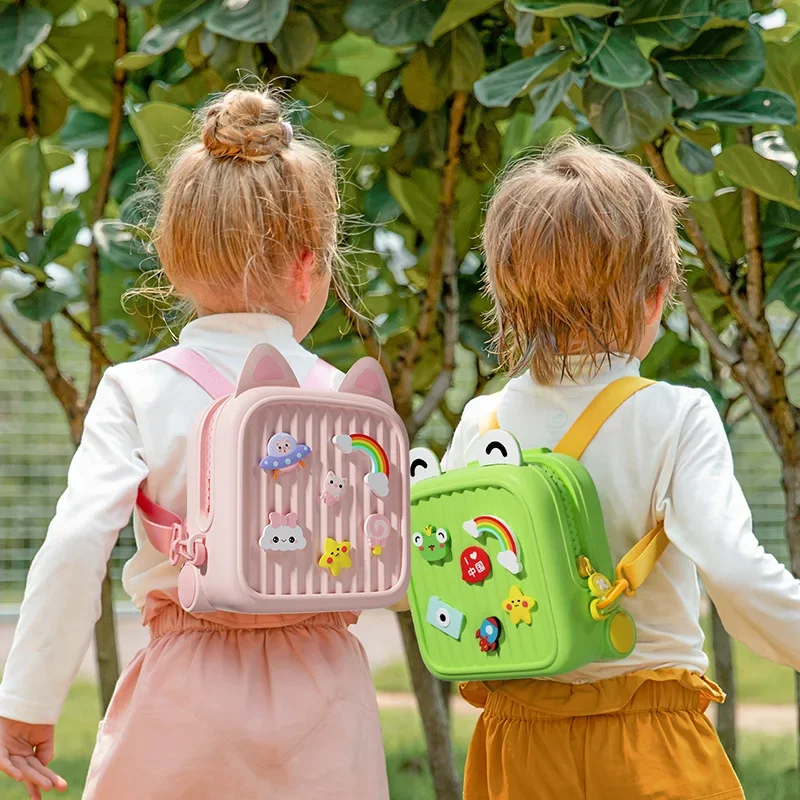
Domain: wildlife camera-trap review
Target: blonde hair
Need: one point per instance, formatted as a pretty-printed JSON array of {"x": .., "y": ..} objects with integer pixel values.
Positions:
[
  {"x": 242, "y": 204},
  {"x": 576, "y": 241}
]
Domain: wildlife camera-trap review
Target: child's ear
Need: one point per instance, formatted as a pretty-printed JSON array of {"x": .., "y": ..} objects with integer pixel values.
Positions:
[
  {"x": 366, "y": 377},
  {"x": 655, "y": 305},
  {"x": 302, "y": 274},
  {"x": 265, "y": 366}
]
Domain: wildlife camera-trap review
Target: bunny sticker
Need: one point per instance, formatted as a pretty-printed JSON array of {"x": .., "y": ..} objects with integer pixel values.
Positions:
[{"x": 283, "y": 533}]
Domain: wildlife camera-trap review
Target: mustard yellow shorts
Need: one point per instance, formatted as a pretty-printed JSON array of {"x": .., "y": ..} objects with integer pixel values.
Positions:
[{"x": 642, "y": 736}]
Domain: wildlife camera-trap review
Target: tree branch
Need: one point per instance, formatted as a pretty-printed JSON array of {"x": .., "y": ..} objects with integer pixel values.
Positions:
[
  {"x": 716, "y": 272},
  {"x": 88, "y": 337},
  {"x": 762, "y": 370},
  {"x": 97, "y": 363},
  {"x": 452, "y": 322},
  {"x": 30, "y": 125},
  {"x": 23, "y": 348},
  {"x": 751, "y": 228},
  {"x": 408, "y": 356},
  {"x": 724, "y": 354}
]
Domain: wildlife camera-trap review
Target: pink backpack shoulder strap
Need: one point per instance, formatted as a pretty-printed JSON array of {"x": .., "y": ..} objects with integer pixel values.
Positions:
[
  {"x": 194, "y": 366},
  {"x": 162, "y": 526},
  {"x": 322, "y": 376}
]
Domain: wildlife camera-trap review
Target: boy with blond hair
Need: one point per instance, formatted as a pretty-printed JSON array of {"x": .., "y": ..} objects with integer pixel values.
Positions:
[{"x": 581, "y": 256}]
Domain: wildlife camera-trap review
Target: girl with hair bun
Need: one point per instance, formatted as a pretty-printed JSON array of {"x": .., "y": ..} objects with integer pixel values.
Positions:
[{"x": 217, "y": 705}]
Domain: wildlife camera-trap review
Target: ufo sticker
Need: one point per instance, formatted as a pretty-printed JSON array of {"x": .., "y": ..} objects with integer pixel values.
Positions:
[{"x": 284, "y": 454}]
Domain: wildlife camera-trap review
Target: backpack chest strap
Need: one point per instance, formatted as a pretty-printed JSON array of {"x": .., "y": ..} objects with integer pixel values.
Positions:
[{"x": 634, "y": 567}]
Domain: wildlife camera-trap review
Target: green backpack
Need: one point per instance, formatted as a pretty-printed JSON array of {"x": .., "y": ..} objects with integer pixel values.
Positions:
[{"x": 510, "y": 557}]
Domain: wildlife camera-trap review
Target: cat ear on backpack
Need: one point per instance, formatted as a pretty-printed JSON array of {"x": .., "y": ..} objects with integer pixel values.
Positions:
[
  {"x": 367, "y": 378},
  {"x": 265, "y": 366}
]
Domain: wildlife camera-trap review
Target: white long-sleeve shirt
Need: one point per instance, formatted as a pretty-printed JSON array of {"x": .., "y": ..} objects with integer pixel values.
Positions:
[
  {"x": 135, "y": 430},
  {"x": 662, "y": 455}
]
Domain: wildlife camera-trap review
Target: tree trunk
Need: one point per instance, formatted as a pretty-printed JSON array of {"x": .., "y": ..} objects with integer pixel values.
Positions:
[
  {"x": 446, "y": 688},
  {"x": 106, "y": 643},
  {"x": 791, "y": 488},
  {"x": 446, "y": 783},
  {"x": 724, "y": 672}
]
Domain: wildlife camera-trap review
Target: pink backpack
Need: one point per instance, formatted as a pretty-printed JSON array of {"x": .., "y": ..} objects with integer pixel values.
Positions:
[{"x": 297, "y": 498}]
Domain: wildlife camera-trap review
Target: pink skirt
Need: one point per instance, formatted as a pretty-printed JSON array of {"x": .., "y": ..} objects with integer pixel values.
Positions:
[{"x": 237, "y": 706}]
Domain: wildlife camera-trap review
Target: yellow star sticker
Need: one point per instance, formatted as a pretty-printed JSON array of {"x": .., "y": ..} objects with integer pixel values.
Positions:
[
  {"x": 518, "y": 606},
  {"x": 336, "y": 556}
]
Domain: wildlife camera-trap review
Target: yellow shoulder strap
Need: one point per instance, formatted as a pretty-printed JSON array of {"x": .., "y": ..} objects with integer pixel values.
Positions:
[
  {"x": 594, "y": 416},
  {"x": 638, "y": 562}
]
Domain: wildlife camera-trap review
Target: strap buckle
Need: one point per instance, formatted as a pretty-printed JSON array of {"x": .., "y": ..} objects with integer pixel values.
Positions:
[{"x": 192, "y": 549}]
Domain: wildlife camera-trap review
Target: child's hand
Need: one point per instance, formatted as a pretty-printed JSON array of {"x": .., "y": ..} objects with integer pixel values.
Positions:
[{"x": 25, "y": 752}]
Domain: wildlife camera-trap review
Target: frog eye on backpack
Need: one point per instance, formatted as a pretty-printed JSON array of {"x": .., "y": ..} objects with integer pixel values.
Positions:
[
  {"x": 417, "y": 539},
  {"x": 423, "y": 464},
  {"x": 441, "y": 535},
  {"x": 496, "y": 447}
]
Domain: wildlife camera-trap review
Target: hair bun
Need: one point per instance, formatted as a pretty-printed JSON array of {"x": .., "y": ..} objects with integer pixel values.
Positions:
[{"x": 245, "y": 125}]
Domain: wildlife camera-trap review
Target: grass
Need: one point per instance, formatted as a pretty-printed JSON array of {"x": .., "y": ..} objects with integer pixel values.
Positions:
[
  {"x": 766, "y": 762},
  {"x": 757, "y": 680}
]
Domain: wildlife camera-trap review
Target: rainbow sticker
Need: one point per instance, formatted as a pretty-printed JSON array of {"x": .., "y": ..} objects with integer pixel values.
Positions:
[
  {"x": 378, "y": 478},
  {"x": 508, "y": 557}
]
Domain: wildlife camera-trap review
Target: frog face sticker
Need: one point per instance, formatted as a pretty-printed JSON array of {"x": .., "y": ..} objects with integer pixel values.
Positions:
[{"x": 433, "y": 543}]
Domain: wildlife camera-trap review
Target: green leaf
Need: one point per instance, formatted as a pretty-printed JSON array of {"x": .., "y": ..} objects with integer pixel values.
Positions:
[
  {"x": 41, "y": 304},
  {"x": 366, "y": 128},
  {"x": 700, "y": 187},
  {"x": 519, "y": 134},
  {"x": 765, "y": 106},
  {"x": 160, "y": 128},
  {"x": 86, "y": 131},
  {"x": 786, "y": 287},
  {"x": 696, "y": 159},
  {"x": 130, "y": 62},
  {"x": 61, "y": 237},
  {"x": 23, "y": 169},
  {"x": 355, "y": 55},
  {"x": 453, "y": 64},
  {"x": 458, "y": 12},
  {"x": 680, "y": 91},
  {"x": 118, "y": 244},
  {"x": 81, "y": 59},
  {"x": 394, "y": 23},
  {"x": 780, "y": 231},
  {"x": 721, "y": 61},
  {"x": 556, "y": 10},
  {"x": 748, "y": 169},
  {"x": 255, "y": 21},
  {"x": 720, "y": 217},
  {"x": 625, "y": 117},
  {"x": 669, "y": 357},
  {"x": 673, "y": 23},
  {"x": 342, "y": 91},
  {"x": 418, "y": 196},
  {"x": 553, "y": 95},
  {"x": 611, "y": 54},
  {"x": 172, "y": 29},
  {"x": 732, "y": 9},
  {"x": 22, "y": 29},
  {"x": 189, "y": 92},
  {"x": 783, "y": 68},
  {"x": 499, "y": 88},
  {"x": 296, "y": 43}
]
